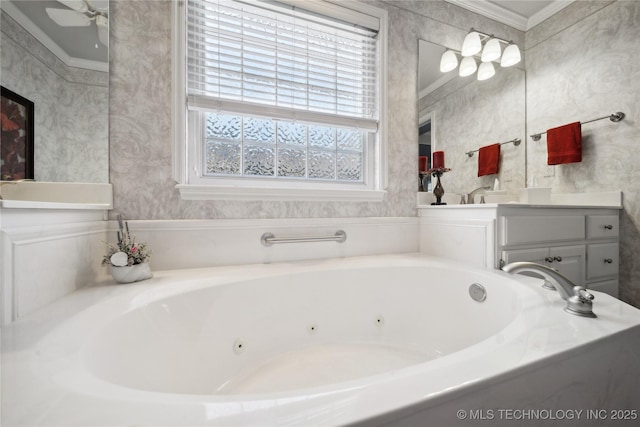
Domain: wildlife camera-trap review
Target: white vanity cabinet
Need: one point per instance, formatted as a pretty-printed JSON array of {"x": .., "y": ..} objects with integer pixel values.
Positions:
[
  {"x": 579, "y": 241},
  {"x": 568, "y": 260}
]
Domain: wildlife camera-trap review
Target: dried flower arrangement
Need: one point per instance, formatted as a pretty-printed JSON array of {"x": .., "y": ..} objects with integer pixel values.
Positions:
[{"x": 127, "y": 251}]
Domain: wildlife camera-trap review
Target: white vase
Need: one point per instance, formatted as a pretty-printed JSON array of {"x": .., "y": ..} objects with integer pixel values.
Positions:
[{"x": 131, "y": 273}]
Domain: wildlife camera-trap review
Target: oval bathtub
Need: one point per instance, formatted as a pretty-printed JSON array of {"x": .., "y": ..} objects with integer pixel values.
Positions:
[
  {"x": 283, "y": 333},
  {"x": 325, "y": 342}
]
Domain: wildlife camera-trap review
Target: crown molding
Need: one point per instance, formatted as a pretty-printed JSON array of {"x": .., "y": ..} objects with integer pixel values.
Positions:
[
  {"x": 500, "y": 14},
  {"x": 547, "y": 12}
]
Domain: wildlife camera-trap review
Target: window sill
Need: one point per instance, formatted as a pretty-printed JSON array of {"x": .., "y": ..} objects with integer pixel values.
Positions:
[{"x": 209, "y": 192}]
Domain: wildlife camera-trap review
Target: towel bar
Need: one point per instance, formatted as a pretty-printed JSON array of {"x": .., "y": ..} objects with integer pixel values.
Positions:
[
  {"x": 614, "y": 117},
  {"x": 515, "y": 141}
]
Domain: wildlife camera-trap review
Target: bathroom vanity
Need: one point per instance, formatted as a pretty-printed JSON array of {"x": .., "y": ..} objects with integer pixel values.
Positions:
[
  {"x": 580, "y": 241},
  {"x": 48, "y": 234}
]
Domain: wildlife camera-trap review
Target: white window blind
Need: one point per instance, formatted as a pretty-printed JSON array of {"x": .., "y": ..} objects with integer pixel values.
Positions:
[{"x": 263, "y": 58}]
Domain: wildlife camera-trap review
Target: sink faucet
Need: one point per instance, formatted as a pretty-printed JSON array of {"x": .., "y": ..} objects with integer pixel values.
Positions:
[
  {"x": 473, "y": 193},
  {"x": 579, "y": 300}
]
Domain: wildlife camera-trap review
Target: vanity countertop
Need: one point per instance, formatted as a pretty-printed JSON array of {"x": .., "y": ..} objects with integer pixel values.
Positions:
[
  {"x": 610, "y": 200},
  {"x": 32, "y": 204},
  {"x": 518, "y": 205},
  {"x": 56, "y": 195}
]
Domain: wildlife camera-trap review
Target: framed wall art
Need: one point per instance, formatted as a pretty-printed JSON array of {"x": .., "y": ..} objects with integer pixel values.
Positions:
[{"x": 16, "y": 140}]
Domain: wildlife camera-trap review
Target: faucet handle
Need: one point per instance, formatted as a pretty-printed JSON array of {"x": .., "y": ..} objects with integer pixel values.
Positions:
[
  {"x": 581, "y": 302},
  {"x": 462, "y": 201},
  {"x": 583, "y": 294}
]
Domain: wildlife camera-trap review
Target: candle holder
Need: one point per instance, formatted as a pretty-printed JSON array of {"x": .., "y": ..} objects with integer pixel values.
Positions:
[
  {"x": 421, "y": 181},
  {"x": 438, "y": 190}
]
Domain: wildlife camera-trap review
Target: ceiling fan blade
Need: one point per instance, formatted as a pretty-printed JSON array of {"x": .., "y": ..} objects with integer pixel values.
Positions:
[
  {"x": 77, "y": 5},
  {"x": 68, "y": 18}
]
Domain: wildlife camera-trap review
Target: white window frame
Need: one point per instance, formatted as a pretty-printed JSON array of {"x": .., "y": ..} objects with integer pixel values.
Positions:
[{"x": 187, "y": 152}]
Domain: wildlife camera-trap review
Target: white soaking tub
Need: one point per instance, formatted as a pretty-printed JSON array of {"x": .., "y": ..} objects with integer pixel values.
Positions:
[{"x": 372, "y": 340}]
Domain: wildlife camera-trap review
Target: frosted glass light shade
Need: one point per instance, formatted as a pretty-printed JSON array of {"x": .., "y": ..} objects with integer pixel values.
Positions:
[
  {"x": 468, "y": 66},
  {"x": 449, "y": 61},
  {"x": 511, "y": 56},
  {"x": 486, "y": 71},
  {"x": 491, "y": 51},
  {"x": 471, "y": 44}
]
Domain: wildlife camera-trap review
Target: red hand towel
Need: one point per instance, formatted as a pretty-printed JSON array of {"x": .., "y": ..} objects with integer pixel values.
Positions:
[
  {"x": 489, "y": 160},
  {"x": 564, "y": 144}
]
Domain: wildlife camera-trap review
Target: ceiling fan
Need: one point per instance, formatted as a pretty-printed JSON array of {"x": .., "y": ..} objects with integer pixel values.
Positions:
[{"x": 81, "y": 13}]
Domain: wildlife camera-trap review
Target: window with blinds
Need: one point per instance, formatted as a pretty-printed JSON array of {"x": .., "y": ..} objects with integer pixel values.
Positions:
[{"x": 275, "y": 91}]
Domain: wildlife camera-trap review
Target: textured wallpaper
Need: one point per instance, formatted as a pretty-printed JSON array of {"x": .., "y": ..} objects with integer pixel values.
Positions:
[
  {"x": 476, "y": 114},
  {"x": 71, "y": 141},
  {"x": 140, "y": 113},
  {"x": 583, "y": 64}
]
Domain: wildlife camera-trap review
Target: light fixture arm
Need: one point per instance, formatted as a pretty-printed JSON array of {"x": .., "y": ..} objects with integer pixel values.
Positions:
[{"x": 491, "y": 36}]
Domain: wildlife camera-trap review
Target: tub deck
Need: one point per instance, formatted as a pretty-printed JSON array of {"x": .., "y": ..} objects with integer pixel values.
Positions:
[{"x": 544, "y": 358}]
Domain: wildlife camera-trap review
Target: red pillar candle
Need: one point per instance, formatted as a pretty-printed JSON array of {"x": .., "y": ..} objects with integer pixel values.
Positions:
[
  {"x": 437, "y": 160},
  {"x": 422, "y": 163}
]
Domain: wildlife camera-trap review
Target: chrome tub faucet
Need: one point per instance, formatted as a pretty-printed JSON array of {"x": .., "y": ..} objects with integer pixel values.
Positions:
[{"x": 579, "y": 300}]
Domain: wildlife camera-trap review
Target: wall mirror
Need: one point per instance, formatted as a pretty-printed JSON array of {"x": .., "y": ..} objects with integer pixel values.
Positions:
[
  {"x": 460, "y": 114},
  {"x": 56, "y": 55}
]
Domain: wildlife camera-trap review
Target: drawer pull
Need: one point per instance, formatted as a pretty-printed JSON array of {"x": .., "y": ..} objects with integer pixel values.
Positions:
[
  {"x": 557, "y": 258},
  {"x": 608, "y": 260},
  {"x": 548, "y": 259},
  {"x": 608, "y": 227}
]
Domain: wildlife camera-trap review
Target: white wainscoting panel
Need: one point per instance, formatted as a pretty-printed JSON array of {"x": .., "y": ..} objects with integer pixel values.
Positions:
[
  {"x": 469, "y": 241},
  {"x": 203, "y": 243},
  {"x": 47, "y": 254}
]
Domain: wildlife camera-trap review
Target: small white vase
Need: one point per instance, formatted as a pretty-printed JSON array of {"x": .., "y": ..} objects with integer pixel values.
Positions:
[{"x": 131, "y": 273}]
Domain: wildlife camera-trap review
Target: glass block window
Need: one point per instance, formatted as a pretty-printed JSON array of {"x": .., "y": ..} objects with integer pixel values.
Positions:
[
  {"x": 281, "y": 91},
  {"x": 240, "y": 145}
]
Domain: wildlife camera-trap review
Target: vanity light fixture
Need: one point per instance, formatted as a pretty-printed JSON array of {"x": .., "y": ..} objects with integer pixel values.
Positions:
[
  {"x": 468, "y": 66},
  {"x": 488, "y": 48},
  {"x": 472, "y": 44},
  {"x": 492, "y": 50},
  {"x": 449, "y": 61},
  {"x": 486, "y": 71},
  {"x": 511, "y": 55}
]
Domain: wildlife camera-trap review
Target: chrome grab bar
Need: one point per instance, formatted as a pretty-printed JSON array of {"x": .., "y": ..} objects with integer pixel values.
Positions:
[{"x": 269, "y": 239}]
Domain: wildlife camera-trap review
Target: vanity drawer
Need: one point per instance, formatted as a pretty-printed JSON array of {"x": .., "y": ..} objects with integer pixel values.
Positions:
[
  {"x": 602, "y": 226},
  {"x": 602, "y": 260},
  {"x": 542, "y": 229}
]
